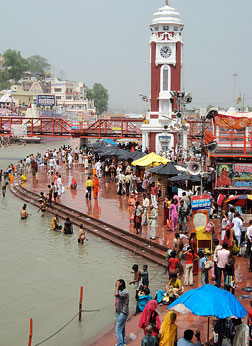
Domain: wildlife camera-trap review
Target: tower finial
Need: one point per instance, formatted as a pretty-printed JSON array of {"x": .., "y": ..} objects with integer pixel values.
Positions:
[{"x": 166, "y": 2}]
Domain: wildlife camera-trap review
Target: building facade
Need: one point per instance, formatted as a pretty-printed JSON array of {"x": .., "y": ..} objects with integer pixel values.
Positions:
[
  {"x": 71, "y": 96},
  {"x": 166, "y": 62}
]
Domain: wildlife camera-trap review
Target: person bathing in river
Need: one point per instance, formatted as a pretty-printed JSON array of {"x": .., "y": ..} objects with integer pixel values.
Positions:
[
  {"x": 82, "y": 235},
  {"x": 4, "y": 188},
  {"x": 42, "y": 207},
  {"x": 24, "y": 213},
  {"x": 55, "y": 223}
]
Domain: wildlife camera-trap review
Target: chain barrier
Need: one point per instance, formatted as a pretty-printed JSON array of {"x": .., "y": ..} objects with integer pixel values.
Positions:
[{"x": 65, "y": 325}]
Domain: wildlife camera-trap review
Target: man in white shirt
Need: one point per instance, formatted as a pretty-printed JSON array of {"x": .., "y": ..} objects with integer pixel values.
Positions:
[
  {"x": 238, "y": 228},
  {"x": 222, "y": 260},
  {"x": 98, "y": 168},
  {"x": 69, "y": 160},
  {"x": 146, "y": 204},
  {"x": 121, "y": 178}
]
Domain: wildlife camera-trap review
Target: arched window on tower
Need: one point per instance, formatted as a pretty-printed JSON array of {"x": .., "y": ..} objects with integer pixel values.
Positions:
[{"x": 165, "y": 78}]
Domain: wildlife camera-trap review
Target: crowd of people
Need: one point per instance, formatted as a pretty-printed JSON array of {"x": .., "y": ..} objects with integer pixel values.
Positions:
[{"x": 143, "y": 197}]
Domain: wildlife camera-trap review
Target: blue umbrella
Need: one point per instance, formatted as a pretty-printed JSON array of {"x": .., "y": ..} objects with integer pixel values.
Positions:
[
  {"x": 208, "y": 300},
  {"x": 109, "y": 141}
]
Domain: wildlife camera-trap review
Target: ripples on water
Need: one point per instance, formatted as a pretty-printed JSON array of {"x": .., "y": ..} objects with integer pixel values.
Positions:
[{"x": 42, "y": 271}]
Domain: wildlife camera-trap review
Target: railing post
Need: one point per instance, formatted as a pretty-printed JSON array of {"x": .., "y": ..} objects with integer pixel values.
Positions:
[
  {"x": 121, "y": 128},
  {"x": 31, "y": 126},
  {"x": 245, "y": 143},
  {"x": 99, "y": 130},
  {"x": 30, "y": 335},
  {"x": 53, "y": 127},
  {"x": 80, "y": 303}
]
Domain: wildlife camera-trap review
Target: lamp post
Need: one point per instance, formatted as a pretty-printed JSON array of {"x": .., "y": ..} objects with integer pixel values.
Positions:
[
  {"x": 235, "y": 76},
  {"x": 182, "y": 99},
  {"x": 209, "y": 116}
]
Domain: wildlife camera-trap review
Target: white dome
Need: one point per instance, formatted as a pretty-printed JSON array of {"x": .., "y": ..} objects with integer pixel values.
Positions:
[{"x": 166, "y": 15}]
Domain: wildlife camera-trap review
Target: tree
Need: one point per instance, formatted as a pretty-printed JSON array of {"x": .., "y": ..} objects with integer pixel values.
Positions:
[
  {"x": 100, "y": 96},
  {"x": 15, "y": 64},
  {"x": 38, "y": 64},
  {"x": 4, "y": 80}
]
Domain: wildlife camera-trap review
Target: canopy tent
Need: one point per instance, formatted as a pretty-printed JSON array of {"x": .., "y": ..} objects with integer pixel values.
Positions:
[
  {"x": 209, "y": 300},
  {"x": 7, "y": 98},
  {"x": 135, "y": 155},
  {"x": 109, "y": 141},
  {"x": 150, "y": 159},
  {"x": 185, "y": 176},
  {"x": 233, "y": 120},
  {"x": 110, "y": 151},
  {"x": 97, "y": 144},
  {"x": 167, "y": 169}
]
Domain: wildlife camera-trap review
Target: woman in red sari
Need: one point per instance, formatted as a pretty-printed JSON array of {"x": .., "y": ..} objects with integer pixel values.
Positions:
[
  {"x": 96, "y": 185},
  {"x": 193, "y": 244},
  {"x": 149, "y": 315}
]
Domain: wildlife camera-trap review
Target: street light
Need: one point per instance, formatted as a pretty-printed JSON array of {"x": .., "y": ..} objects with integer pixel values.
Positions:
[
  {"x": 235, "y": 75},
  {"x": 213, "y": 112},
  {"x": 144, "y": 97},
  {"x": 182, "y": 99}
]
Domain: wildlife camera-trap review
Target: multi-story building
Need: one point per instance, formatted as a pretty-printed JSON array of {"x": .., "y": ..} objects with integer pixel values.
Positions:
[{"x": 71, "y": 96}]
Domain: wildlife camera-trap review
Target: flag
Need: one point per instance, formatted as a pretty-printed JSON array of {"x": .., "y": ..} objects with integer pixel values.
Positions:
[{"x": 239, "y": 100}]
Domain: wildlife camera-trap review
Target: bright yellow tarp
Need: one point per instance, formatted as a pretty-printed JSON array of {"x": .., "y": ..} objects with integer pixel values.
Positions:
[{"x": 151, "y": 159}]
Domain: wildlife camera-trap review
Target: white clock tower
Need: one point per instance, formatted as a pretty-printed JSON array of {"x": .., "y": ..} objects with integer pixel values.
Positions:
[{"x": 166, "y": 62}]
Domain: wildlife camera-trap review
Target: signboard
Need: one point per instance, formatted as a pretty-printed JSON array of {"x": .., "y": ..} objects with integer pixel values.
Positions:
[
  {"x": 19, "y": 130},
  {"x": 45, "y": 100},
  {"x": 234, "y": 175},
  {"x": 201, "y": 202}
]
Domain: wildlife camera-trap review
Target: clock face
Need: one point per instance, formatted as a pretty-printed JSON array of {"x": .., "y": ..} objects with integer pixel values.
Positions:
[{"x": 165, "y": 52}]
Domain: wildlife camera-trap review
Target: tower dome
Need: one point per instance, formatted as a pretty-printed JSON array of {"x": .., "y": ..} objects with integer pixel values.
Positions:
[{"x": 167, "y": 15}]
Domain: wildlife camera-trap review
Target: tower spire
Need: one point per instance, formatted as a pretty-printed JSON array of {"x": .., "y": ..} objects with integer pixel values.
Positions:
[{"x": 166, "y": 2}]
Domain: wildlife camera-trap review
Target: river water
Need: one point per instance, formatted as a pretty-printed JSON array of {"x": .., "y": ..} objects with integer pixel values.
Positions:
[{"x": 41, "y": 273}]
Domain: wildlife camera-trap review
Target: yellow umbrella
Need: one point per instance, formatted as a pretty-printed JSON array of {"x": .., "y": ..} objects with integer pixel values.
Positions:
[{"x": 150, "y": 159}]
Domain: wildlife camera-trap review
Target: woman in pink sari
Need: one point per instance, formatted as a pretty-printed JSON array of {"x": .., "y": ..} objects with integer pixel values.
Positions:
[
  {"x": 173, "y": 214},
  {"x": 150, "y": 316}
]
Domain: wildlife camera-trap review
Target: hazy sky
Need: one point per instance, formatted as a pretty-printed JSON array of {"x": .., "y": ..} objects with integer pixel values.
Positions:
[{"x": 108, "y": 42}]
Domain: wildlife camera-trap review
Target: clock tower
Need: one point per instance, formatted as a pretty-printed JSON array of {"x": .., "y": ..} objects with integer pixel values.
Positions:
[{"x": 166, "y": 62}]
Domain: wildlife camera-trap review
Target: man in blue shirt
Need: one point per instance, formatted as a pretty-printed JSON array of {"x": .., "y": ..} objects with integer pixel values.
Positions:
[
  {"x": 187, "y": 339},
  {"x": 204, "y": 271}
]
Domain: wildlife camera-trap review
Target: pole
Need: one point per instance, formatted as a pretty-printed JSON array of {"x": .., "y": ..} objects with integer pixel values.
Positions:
[
  {"x": 234, "y": 75},
  {"x": 30, "y": 335},
  {"x": 208, "y": 329},
  {"x": 80, "y": 303},
  {"x": 202, "y": 153}
]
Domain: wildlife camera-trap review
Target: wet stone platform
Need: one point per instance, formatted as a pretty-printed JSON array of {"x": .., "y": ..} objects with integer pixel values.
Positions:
[{"x": 113, "y": 209}]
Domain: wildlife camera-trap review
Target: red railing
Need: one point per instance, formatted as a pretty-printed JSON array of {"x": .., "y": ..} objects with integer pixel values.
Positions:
[{"x": 58, "y": 127}]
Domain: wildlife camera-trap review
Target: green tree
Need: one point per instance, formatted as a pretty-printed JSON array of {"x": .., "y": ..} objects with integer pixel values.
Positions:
[
  {"x": 4, "y": 80},
  {"x": 15, "y": 64},
  {"x": 38, "y": 64},
  {"x": 100, "y": 96}
]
